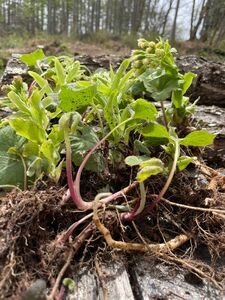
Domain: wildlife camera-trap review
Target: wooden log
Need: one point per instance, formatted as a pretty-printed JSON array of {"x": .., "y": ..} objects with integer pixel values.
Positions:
[{"x": 113, "y": 283}]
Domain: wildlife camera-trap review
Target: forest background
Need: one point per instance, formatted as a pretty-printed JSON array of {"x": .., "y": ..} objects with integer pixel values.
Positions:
[{"x": 193, "y": 25}]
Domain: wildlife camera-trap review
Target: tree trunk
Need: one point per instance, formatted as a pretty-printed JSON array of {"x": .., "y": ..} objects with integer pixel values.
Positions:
[{"x": 173, "y": 32}]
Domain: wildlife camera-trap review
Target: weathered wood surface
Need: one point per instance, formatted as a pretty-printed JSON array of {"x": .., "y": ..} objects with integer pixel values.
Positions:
[
  {"x": 13, "y": 68},
  {"x": 144, "y": 279},
  {"x": 114, "y": 278},
  {"x": 210, "y": 82}
]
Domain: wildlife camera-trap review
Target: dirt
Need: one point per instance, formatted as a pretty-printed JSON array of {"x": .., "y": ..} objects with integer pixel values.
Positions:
[{"x": 33, "y": 223}]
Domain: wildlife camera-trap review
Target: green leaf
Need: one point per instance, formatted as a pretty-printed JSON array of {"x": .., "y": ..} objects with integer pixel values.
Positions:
[
  {"x": 56, "y": 135},
  {"x": 70, "y": 283},
  {"x": 43, "y": 83},
  {"x": 30, "y": 149},
  {"x": 152, "y": 166},
  {"x": 177, "y": 98},
  {"x": 148, "y": 171},
  {"x": 32, "y": 58},
  {"x": 198, "y": 138},
  {"x": 9, "y": 138},
  {"x": 144, "y": 110},
  {"x": 152, "y": 162},
  {"x": 141, "y": 147},
  {"x": 74, "y": 99},
  {"x": 135, "y": 160},
  {"x": 11, "y": 166},
  {"x": 188, "y": 78},
  {"x": 16, "y": 100},
  {"x": 37, "y": 110},
  {"x": 159, "y": 84},
  {"x": 59, "y": 72},
  {"x": 35, "y": 167},
  {"x": 50, "y": 152},
  {"x": 84, "y": 140},
  {"x": 11, "y": 169},
  {"x": 28, "y": 129},
  {"x": 155, "y": 130},
  {"x": 184, "y": 161},
  {"x": 69, "y": 120}
]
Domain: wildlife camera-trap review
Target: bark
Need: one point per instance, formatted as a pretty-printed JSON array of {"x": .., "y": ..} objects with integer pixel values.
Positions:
[{"x": 174, "y": 28}]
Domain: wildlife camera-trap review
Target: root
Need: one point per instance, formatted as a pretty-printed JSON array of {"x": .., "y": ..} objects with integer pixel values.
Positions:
[
  {"x": 101, "y": 277},
  {"x": 219, "y": 211},
  {"x": 162, "y": 248},
  {"x": 76, "y": 246}
]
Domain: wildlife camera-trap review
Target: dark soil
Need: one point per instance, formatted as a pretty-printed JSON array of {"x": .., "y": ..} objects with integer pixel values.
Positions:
[{"x": 32, "y": 223}]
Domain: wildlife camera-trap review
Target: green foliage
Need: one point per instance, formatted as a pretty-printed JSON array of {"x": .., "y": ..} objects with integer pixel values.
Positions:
[
  {"x": 135, "y": 160},
  {"x": 66, "y": 110},
  {"x": 84, "y": 140},
  {"x": 32, "y": 58},
  {"x": 184, "y": 161},
  {"x": 11, "y": 165},
  {"x": 153, "y": 166},
  {"x": 76, "y": 97},
  {"x": 148, "y": 166},
  {"x": 158, "y": 75},
  {"x": 69, "y": 283},
  {"x": 199, "y": 138}
]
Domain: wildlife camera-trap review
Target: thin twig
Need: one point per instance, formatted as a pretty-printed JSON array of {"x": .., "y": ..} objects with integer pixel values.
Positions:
[
  {"x": 193, "y": 207},
  {"x": 101, "y": 279}
]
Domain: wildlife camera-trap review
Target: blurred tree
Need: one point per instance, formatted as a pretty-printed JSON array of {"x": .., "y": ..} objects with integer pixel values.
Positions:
[
  {"x": 174, "y": 27},
  {"x": 213, "y": 27},
  {"x": 117, "y": 17}
]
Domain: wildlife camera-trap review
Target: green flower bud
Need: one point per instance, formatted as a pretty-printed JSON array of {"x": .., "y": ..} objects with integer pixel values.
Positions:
[
  {"x": 159, "y": 45},
  {"x": 151, "y": 44},
  {"x": 150, "y": 50},
  {"x": 137, "y": 64},
  {"x": 146, "y": 61},
  {"x": 159, "y": 52}
]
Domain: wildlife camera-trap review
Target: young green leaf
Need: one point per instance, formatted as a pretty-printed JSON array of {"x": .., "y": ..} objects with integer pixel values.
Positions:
[
  {"x": 43, "y": 83},
  {"x": 70, "y": 283},
  {"x": 184, "y": 161},
  {"x": 16, "y": 100},
  {"x": 60, "y": 74},
  {"x": 188, "y": 78},
  {"x": 198, "y": 138},
  {"x": 155, "y": 162},
  {"x": 32, "y": 58},
  {"x": 135, "y": 160},
  {"x": 34, "y": 167},
  {"x": 152, "y": 166},
  {"x": 148, "y": 171},
  {"x": 49, "y": 151},
  {"x": 144, "y": 110},
  {"x": 155, "y": 130},
  {"x": 28, "y": 129}
]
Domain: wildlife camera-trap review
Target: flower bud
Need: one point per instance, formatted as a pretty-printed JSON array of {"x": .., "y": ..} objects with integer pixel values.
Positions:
[{"x": 146, "y": 61}]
